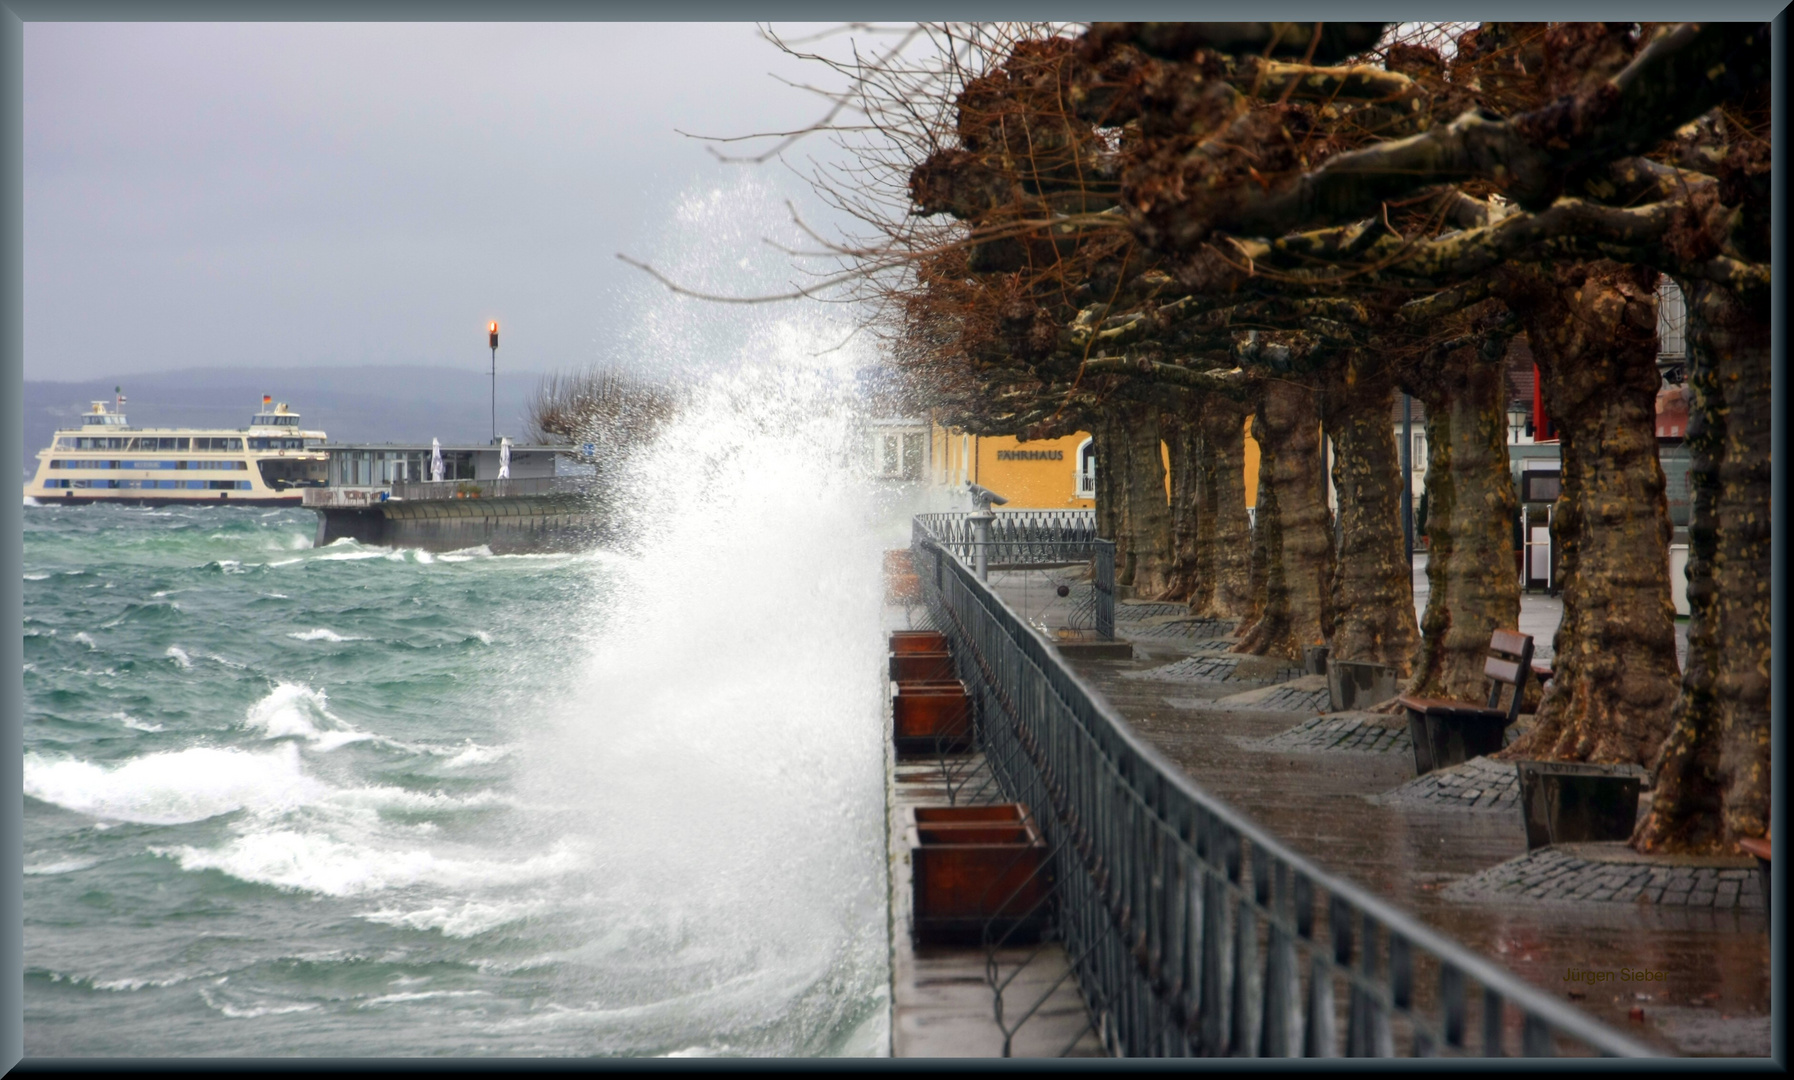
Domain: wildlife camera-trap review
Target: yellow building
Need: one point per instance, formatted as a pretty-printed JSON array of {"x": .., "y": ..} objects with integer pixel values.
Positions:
[{"x": 1040, "y": 474}]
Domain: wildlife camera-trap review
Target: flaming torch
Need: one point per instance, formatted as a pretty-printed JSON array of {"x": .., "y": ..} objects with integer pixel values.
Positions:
[{"x": 492, "y": 339}]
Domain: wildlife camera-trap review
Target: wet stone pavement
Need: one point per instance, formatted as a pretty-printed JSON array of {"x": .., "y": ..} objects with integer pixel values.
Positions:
[{"x": 1340, "y": 789}]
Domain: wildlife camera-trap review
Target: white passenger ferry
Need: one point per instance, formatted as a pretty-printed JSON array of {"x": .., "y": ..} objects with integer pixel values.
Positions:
[{"x": 269, "y": 463}]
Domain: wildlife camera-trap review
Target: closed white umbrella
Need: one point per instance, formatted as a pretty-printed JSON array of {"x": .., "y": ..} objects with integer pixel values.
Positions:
[
  {"x": 504, "y": 460},
  {"x": 436, "y": 459}
]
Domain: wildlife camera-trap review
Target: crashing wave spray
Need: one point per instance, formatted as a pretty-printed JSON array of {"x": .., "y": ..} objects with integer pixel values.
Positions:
[{"x": 715, "y": 742}]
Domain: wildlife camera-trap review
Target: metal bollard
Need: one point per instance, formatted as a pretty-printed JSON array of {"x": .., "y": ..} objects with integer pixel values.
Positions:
[{"x": 981, "y": 542}]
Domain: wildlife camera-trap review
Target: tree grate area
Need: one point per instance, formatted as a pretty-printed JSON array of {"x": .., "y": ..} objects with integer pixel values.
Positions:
[
  {"x": 1556, "y": 874},
  {"x": 1126, "y": 612},
  {"x": 1215, "y": 669},
  {"x": 1337, "y": 733},
  {"x": 1477, "y": 784},
  {"x": 1184, "y": 627},
  {"x": 1307, "y": 694}
]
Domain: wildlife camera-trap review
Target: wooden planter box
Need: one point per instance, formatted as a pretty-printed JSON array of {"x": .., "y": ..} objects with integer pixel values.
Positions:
[
  {"x": 1355, "y": 684},
  {"x": 1569, "y": 802},
  {"x": 929, "y": 718},
  {"x": 1441, "y": 741},
  {"x": 901, "y": 583},
  {"x": 915, "y": 641},
  {"x": 973, "y": 867},
  {"x": 921, "y": 666}
]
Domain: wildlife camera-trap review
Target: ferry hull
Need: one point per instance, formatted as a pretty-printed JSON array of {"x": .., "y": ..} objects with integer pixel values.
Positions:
[{"x": 47, "y": 499}]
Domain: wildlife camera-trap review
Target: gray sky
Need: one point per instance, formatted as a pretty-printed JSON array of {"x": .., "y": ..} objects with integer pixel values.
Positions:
[{"x": 272, "y": 195}]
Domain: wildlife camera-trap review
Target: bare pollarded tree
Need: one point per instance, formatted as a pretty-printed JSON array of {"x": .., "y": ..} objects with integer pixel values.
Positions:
[{"x": 609, "y": 409}]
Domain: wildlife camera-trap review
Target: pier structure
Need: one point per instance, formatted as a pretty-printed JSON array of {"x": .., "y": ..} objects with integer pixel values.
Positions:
[
  {"x": 383, "y": 494},
  {"x": 1187, "y": 928}
]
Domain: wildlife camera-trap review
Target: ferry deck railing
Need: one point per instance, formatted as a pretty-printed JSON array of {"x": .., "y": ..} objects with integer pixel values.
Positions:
[{"x": 1191, "y": 930}]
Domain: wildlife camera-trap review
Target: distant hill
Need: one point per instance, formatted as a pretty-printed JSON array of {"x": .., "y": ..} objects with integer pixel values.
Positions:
[{"x": 364, "y": 404}]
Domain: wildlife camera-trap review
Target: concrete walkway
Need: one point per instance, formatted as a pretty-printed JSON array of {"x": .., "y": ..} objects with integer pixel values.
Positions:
[
  {"x": 1713, "y": 995},
  {"x": 964, "y": 1001}
]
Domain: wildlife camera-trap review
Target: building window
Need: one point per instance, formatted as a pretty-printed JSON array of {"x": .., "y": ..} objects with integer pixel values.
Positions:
[
  {"x": 1086, "y": 459},
  {"x": 898, "y": 455}
]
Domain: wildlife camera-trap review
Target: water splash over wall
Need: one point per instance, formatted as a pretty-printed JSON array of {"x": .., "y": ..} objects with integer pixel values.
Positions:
[{"x": 716, "y": 737}]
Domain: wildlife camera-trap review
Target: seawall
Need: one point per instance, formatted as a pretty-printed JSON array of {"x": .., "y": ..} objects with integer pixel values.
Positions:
[{"x": 512, "y": 524}]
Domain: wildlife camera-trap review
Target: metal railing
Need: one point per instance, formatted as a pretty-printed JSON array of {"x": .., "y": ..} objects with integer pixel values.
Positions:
[
  {"x": 1019, "y": 537},
  {"x": 1191, "y": 930},
  {"x": 1035, "y": 539},
  {"x": 492, "y": 489}
]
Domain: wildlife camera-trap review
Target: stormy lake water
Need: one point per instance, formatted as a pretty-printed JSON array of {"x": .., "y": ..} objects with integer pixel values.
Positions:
[{"x": 360, "y": 801}]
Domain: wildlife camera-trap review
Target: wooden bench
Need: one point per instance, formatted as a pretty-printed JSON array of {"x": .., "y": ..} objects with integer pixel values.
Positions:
[{"x": 1447, "y": 732}]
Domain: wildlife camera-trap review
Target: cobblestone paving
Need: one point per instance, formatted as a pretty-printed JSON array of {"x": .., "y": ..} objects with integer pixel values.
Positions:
[
  {"x": 1477, "y": 784},
  {"x": 1125, "y": 612},
  {"x": 1176, "y": 628},
  {"x": 1343, "y": 733},
  {"x": 1214, "y": 669},
  {"x": 1556, "y": 874},
  {"x": 1307, "y": 694}
]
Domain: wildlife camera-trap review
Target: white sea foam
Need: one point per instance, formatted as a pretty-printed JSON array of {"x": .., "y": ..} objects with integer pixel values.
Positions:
[
  {"x": 175, "y": 787},
  {"x": 466, "y": 554},
  {"x": 394, "y": 999},
  {"x": 424, "y": 558},
  {"x": 349, "y": 556},
  {"x": 464, "y": 920},
  {"x": 250, "y": 1012},
  {"x": 311, "y": 861},
  {"x": 322, "y": 634},
  {"x": 179, "y": 656},
  {"x": 85, "y": 638},
  {"x": 293, "y": 709},
  {"x": 284, "y": 562},
  {"x": 37, "y": 577},
  {"x": 29, "y": 501},
  {"x": 135, "y": 724},
  {"x": 474, "y": 754}
]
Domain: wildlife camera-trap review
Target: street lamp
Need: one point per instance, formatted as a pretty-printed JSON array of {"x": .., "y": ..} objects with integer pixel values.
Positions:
[{"x": 492, "y": 338}]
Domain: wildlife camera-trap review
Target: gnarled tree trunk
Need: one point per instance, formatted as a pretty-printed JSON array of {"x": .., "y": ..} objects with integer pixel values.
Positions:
[
  {"x": 1224, "y": 545},
  {"x": 1105, "y": 444},
  {"x": 1713, "y": 775},
  {"x": 1183, "y": 439},
  {"x": 1472, "y": 589},
  {"x": 1146, "y": 520},
  {"x": 1593, "y": 329},
  {"x": 1294, "y": 530},
  {"x": 1373, "y": 587}
]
